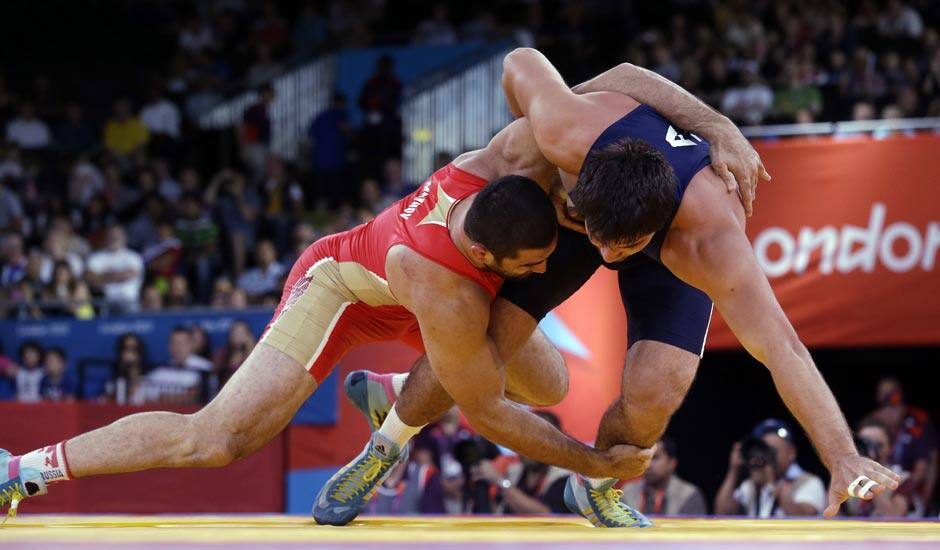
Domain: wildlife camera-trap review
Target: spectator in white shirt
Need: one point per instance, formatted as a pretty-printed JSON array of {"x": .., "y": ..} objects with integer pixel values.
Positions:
[
  {"x": 160, "y": 115},
  {"x": 776, "y": 486},
  {"x": 180, "y": 379},
  {"x": 117, "y": 271},
  {"x": 266, "y": 276},
  {"x": 27, "y": 131},
  {"x": 750, "y": 102}
]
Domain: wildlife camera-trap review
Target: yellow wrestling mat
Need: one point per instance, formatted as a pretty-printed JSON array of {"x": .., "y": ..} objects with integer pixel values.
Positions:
[{"x": 278, "y": 531}]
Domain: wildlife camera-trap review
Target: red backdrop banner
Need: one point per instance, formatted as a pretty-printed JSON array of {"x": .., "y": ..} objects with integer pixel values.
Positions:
[
  {"x": 254, "y": 484},
  {"x": 848, "y": 233}
]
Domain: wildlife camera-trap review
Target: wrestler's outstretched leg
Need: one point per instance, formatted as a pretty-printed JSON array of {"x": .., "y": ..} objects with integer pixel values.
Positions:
[{"x": 253, "y": 407}]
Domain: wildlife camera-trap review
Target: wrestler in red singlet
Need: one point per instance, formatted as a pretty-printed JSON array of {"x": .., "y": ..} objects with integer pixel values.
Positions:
[{"x": 337, "y": 296}]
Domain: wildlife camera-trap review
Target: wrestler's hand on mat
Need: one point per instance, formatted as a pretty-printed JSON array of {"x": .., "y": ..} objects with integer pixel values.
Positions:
[
  {"x": 627, "y": 461},
  {"x": 565, "y": 210},
  {"x": 737, "y": 163},
  {"x": 859, "y": 477}
]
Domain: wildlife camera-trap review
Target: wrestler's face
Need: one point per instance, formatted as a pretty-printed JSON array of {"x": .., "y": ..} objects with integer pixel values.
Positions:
[
  {"x": 614, "y": 252},
  {"x": 523, "y": 264}
]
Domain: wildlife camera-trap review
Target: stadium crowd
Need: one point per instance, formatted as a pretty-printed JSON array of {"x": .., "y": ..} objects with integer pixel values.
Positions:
[{"x": 107, "y": 205}]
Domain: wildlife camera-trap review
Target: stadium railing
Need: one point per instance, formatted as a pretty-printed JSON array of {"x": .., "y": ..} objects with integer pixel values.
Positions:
[{"x": 456, "y": 109}]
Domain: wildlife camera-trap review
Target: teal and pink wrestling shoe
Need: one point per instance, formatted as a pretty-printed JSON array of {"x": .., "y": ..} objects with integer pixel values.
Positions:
[
  {"x": 17, "y": 483},
  {"x": 601, "y": 505},
  {"x": 346, "y": 494},
  {"x": 372, "y": 394}
]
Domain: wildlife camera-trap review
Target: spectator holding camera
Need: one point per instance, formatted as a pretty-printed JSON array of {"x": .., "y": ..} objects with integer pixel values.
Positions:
[
  {"x": 873, "y": 440},
  {"x": 773, "y": 483},
  {"x": 660, "y": 490}
]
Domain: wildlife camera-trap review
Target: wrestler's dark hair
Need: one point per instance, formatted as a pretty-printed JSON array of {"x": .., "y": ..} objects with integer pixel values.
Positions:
[
  {"x": 511, "y": 214},
  {"x": 625, "y": 192}
]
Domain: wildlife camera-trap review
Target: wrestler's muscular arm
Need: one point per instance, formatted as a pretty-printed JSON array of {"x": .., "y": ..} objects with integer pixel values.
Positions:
[
  {"x": 733, "y": 158},
  {"x": 453, "y": 314},
  {"x": 707, "y": 248},
  {"x": 530, "y": 82}
]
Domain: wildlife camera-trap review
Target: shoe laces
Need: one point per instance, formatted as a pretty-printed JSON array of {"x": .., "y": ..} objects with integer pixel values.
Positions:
[
  {"x": 358, "y": 478},
  {"x": 610, "y": 506},
  {"x": 13, "y": 496}
]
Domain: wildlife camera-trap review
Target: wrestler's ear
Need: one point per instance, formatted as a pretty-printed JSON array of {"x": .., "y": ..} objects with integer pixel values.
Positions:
[{"x": 481, "y": 254}]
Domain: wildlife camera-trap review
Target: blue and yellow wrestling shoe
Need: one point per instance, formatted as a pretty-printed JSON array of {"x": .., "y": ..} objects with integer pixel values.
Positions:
[
  {"x": 372, "y": 394},
  {"x": 601, "y": 505},
  {"x": 349, "y": 490},
  {"x": 17, "y": 483}
]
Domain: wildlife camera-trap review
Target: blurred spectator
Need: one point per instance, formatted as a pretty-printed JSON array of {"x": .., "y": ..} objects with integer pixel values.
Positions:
[
  {"x": 151, "y": 299},
  {"x": 914, "y": 436},
  {"x": 142, "y": 233},
  {"x": 233, "y": 358},
  {"x": 900, "y": 21},
  {"x": 27, "y": 131},
  {"x": 237, "y": 206},
  {"x": 75, "y": 135},
  {"x": 29, "y": 374},
  {"x": 328, "y": 133},
  {"x": 56, "y": 385},
  {"x": 161, "y": 116},
  {"x": 413, "y": 487},
  {"x": 11, "y": 209},
  {"x": 7, "y": 374},
  {"x": 81, "y": 305},
  {"x": 798, "y": 95},
  {"x": 749, "y": 102},
  {"x": 379, "y": 100},
  {"x": 178, "y": 295},
  {"x": 12, "y": 167},
  {"x": 873, "y": 441},
  {"x": 14, "y": 261},
  {"x": 55, "y": 250},
  {"x": 124, "y": 134},
  {"x": 85, "y": 181},
  {"x": 283, "y": 201},
  {"x": 179, "y": 381},
  {"x": 196, "y": 36},
  {"x": 128, "y": 385},
  {"x": 200, "y": 338},
  {"x": 60, "y": 290},
  {"x": 238, "y": 345},
  {"x": 256, "y": 132},
  {"x": 266, "y": 276},
  {"x": 117, "y": 271},
  {"x": 221, "y": 294},
  {"x": 163, "y": 258},
  {"x": 661, "y": 491},
  {"x": 527, "y": 487},
  {"x": 199, "y": 236},
  {"x": 776, "y": 486},
  {"x": 436, "y": 30}
]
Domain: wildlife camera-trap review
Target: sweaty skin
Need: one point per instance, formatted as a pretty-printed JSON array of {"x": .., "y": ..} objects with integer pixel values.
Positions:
[
  {"x": 454, "y": 314},
  {"x": 267, "y": 389},
  {"x": 706, "y": 247}
]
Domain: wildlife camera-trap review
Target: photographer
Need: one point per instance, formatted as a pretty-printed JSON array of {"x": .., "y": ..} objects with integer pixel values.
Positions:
[
  {"x": 873, "y": 441},
  {"x": 775, "y": 485}
]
